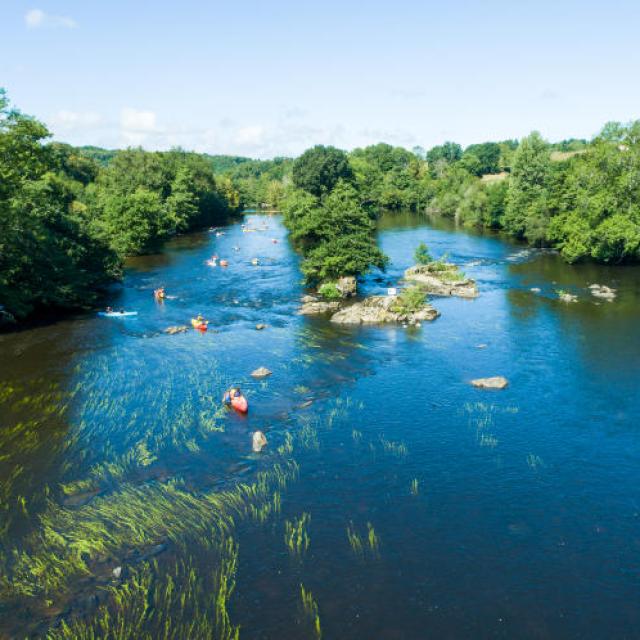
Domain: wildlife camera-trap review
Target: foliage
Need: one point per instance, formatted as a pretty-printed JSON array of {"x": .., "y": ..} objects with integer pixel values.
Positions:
[
  {"x": 318, "y": 170},
  {"x": 330, "y": 291},
  {"x": 335, "y": 235},
  {"x": 409, "y": 300},
  {"x": 422, "y": 255}
]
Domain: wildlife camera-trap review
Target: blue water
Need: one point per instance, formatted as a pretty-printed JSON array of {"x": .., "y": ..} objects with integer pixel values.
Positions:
[{"x": 526, "y": 518}]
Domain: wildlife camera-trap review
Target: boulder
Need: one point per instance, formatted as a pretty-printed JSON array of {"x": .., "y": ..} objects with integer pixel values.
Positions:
[
  {"x": 379, "y": 309},
  {"x": 443, "y": 280},
  {"x": 496, "y": 382},
  {"x": 347, "y": 286},
  {"x": 260, "y": 372},
  {"x": 318, "y": 307},
  {"x": 308, "y": 299},
  {"x": 258, "y": 441},
  {"x": 260, "y": 327}
]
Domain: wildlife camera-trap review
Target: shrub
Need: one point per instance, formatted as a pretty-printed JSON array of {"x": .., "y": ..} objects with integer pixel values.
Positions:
[
  {"x": 422, "y": 255},
  {"x": 330, "y": 291}
]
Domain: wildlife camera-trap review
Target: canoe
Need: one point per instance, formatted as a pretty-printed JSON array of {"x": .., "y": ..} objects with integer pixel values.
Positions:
[{"x": 117, "y": 314}]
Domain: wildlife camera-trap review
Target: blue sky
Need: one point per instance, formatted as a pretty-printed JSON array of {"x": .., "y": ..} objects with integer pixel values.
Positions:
[{"x": 273, "y": 78}]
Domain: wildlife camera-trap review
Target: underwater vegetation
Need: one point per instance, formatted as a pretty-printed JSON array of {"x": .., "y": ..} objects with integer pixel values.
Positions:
[
  {"x": 296, "y": 536},
  {"x": 311, "y": 611}
]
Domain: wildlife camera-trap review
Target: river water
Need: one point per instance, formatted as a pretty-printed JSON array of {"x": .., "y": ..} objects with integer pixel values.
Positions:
[{"x": 434, "y": 509}]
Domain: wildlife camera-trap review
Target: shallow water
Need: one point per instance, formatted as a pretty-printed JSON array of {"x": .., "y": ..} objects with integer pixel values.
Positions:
[{"x": 497, "y": 514}]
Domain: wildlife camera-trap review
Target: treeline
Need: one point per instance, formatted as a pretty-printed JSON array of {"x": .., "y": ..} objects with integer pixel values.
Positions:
[
  {"x": 68, "y": 218},
  {"x": 580, "y": 197}
]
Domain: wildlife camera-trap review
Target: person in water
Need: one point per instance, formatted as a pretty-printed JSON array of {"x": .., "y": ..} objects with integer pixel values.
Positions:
[
  {"x": 109, "y": 310},
  {"x": 234, "y": 392}
]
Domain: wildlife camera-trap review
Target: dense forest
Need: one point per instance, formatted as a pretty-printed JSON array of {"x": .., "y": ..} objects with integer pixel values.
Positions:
[{"x": 70, "y": 215}]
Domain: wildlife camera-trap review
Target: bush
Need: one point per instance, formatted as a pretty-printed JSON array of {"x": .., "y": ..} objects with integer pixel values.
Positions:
[
  {"x": 409, "y": 300},
  {"x": 330, "y": 291},
  {"x": 422, "y": 255}
]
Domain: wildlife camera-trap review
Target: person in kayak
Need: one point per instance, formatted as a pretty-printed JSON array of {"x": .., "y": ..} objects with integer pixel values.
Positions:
[{"x": 234, "y": 398}]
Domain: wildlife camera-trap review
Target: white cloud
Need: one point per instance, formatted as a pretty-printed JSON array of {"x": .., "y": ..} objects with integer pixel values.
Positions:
[
  {"x": 36, "y": 19},
  {"x": 249, "y": 136},
  {"x": 137, "y": 126},
  {"x": 74, "y": 120},
  {"x": 135, "y": 120}
]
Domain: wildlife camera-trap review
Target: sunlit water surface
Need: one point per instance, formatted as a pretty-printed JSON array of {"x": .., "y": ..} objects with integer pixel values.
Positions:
[{"x": 495, "y": 514}]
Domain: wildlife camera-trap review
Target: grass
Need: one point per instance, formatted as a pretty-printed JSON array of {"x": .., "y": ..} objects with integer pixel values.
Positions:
[
  {"x": 296, "y": 536},
  {"x": 415, "y": 487},
  {"x": 361, "y": 545},
  {"x": 409, "y": 300}
]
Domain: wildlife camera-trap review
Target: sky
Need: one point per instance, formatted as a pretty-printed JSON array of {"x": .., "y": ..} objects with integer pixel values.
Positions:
[{"x": 264, "y": 79}]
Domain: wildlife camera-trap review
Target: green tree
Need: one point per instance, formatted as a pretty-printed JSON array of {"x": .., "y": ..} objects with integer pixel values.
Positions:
[
  {"x": 528, "y": 204},
  {"x": 318, "y": 170},
  {"x": 422, "y": 254}
]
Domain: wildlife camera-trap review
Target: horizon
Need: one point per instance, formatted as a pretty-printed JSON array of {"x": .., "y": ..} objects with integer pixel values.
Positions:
[{"x": 264, "y": 82}]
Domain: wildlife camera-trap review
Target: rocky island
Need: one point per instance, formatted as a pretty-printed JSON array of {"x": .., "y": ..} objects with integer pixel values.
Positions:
[{"x": 441, "y": 278}]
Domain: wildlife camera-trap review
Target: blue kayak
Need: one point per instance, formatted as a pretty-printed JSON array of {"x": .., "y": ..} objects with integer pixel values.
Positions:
[{"x": 117, "y": 314}]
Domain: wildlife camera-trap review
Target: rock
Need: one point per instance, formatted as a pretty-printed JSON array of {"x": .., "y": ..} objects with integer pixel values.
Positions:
[
  {"x": 347, "y": 286},
  {"x": 535, "y": 289},
  {"x": 318, "y": 307},
  {"x": 602, "y": 291},
  {"x": 308, "y": 299},
  {"x": 497, "y": 382},
  {"x": 259, "y": 441},
  {"x": 117, "y": 572},
  {"x": 481, "y": 346},
  {"x": 261, "y": 372},
  {"x": 260, "y": 327},
  {"x": 255, "y": 262},
  {"x": 378, "y": 309},
  {"x": 446, "y": 281},
  {"x": 177, "y": 329},
  {"x": 567, "y": 297}
]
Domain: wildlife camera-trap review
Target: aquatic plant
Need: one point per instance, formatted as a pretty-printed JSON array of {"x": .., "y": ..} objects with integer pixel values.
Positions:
[
  {"x": 534, "y": 462},
  {"x": 310, "y": 608},
  {"x": 415, "y": 487},
  {"x": 355, "y": 541},
  {"x": 296, "y": 536},
  {"x": 398, "y": 449},
  {"x": 374, "y": 541}
]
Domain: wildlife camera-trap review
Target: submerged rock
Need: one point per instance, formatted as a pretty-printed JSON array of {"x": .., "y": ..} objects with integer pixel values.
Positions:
[
  {"x": 260, "y": 372},
  {"x": 258, "y": 441},
  {"x": 496, "y": 382},
  {"x": 567, "y": 297},
  {"x": 382, "y": 309},
  {"x": 319, "y": 307},
  {"x": 442, "y": 279},
  {"x": 602, "y": 291},
  {"x": 176, "y": 329}
]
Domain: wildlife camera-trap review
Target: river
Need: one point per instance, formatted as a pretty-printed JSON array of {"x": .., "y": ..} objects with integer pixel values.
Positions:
[{"x": 435, "y": 509}]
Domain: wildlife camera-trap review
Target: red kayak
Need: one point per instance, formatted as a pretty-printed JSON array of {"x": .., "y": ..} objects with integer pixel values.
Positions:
[{"x": 239, "y": 403}]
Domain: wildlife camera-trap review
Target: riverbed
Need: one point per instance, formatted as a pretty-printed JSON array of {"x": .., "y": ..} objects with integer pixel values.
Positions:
[{"x": 425, "y": 507}]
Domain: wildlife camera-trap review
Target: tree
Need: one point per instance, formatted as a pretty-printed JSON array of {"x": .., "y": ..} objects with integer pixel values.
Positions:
[
  {"x": 450, "y": 152},
  {"x": 482, "y": 158},
  {"x": 318, "y": 170},
  {"x": 528, "y": 205},
  {"x": 182, "y": 203}
]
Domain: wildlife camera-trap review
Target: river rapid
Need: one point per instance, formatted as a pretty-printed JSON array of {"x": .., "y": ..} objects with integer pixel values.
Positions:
[{"x": 408, "y": 503}]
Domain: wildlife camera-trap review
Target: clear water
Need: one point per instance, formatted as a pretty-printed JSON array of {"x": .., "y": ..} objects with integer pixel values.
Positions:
[{"x": 498, "y": 514}]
